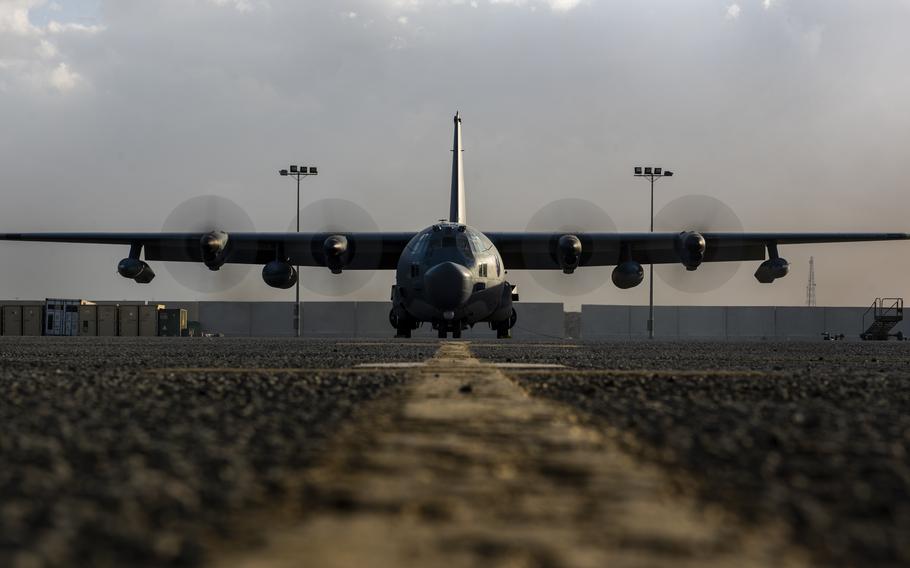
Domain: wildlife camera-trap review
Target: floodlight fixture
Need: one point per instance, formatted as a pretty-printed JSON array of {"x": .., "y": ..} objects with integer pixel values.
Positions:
[
  {"x": 657, "y": 171},
  {"x": 638, "y": 170},
  {"x": 313, "y": 171},
  {"x": 283, "y": 172},
  {"x": 668, "y": 173},
  {"x": 293, "y": 169},
  {"x": 647, "y": 171}
]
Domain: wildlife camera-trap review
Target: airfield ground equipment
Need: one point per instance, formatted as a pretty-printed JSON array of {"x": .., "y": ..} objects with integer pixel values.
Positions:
[{"x": 881, "y": 317}]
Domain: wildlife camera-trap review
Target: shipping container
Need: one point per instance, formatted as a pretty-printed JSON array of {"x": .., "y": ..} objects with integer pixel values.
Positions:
[
  {"x": 148, "y": 320},
  {"x": 32, "y": 319},
  {"x": 12, "y": 320},
  {"x": 88, "y": 320},
  {"x": 172, "y": 322},
  {"x": 61, "y": 316},
  {"x": 107, "y": 321},
  {"x": 129, "y": 321}
]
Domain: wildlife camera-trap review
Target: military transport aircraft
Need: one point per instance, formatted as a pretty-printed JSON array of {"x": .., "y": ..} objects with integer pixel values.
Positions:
[{"x": 452, "y": 275}]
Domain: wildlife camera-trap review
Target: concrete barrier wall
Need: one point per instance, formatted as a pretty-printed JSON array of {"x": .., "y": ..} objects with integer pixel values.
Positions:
[
  {"x": 272, "y": 319},
  {"x": 714, "y": 322},
  {"x": 535, "y": 321},
  {"x": 701, "y": 322},
  {"x": 330, "y": 319},
  {"x": 371, "y": 319},
  {"x": 799, "y": 323},
  {"x": 233, "y": 319},
  {"x": 606, "y": 322},
  {"x": 750, "y": 322}
]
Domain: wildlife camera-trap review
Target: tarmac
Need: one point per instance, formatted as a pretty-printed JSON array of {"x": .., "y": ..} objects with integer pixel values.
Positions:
[{"x": 282, "y": 452}]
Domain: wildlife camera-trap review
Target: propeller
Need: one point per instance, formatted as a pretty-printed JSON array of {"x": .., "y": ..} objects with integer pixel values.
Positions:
[
  {"x": 208, "y": 214},
  {"x": 703, "y": 214},
  {"x": 327, "y": 216},
  {"x": 572, "y": 216}
]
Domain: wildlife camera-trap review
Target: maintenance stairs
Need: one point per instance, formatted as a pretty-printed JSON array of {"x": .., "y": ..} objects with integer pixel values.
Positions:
[{"x": 885, "y": 313}]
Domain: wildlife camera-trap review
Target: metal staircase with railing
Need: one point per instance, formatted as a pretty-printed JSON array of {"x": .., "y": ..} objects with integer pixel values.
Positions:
[{"x": 880, "y": 319}]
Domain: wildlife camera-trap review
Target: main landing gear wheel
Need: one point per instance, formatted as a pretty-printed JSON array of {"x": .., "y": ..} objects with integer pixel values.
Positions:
[
  {"x": 403, "y": 326},
  {"x": 504, "y": 328}
]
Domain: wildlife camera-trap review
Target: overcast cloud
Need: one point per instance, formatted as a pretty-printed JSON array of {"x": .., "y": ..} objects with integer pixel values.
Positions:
[{"x": 794, "y": 113}]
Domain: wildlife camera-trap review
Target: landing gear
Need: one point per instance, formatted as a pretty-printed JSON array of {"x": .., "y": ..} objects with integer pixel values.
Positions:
[
  {"x": 403, "y": 325},
  {"x": 443, "y": 329},
  {"x": 504, "y": 327}
]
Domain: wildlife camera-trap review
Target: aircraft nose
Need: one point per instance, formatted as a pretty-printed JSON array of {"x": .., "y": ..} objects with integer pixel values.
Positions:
[{"x": 448, "y": 285}]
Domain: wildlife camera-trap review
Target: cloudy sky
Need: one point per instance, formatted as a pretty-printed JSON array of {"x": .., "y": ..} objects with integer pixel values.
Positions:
[{"x": 794, "y": 113}]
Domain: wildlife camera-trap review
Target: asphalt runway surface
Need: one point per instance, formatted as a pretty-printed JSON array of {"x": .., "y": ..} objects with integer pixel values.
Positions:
[{"x": 268, "y": 452}]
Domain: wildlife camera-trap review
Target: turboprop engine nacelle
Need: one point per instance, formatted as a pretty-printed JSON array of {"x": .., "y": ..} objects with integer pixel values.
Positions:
[
  {"x": 691, "y": 247},
  {"x": 568, "y": 253},
  {"x": 213, "y": 246},
  {"x": 279, "y": 274},
  {"x": 628, "y": 274},
  {"x": 135, "y": 269},
  {"x": 772, "y": 269},
  {"x": 335, "y": 249}
]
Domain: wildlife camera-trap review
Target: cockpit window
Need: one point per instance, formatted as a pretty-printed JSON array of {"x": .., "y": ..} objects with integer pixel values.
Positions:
[
  {"x": 479, "y": 243},
  {"x": 419, "y": 243},
  {"x": 445, "y": 238}
]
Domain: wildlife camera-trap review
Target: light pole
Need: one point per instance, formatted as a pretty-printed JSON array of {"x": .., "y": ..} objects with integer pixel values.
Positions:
[
  {"x": 652, "y": 174},
  {"x": 298, "y": 173}
]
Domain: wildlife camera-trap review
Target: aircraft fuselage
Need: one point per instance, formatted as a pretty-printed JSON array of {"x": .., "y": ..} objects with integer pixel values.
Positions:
[{"x": 451, "y": 275}]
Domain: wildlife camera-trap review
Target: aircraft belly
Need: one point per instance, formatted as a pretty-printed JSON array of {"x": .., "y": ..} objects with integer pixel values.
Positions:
[{"x": 479, "y": 307}]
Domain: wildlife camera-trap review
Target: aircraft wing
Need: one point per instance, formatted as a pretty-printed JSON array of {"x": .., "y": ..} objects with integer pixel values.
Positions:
[
  {"x": 365, "y": 251},
  {"x": 540, "y": 251}
]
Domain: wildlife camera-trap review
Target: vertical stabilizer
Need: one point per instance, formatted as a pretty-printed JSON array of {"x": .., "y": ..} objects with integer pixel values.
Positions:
[{"x": 456, "y": 205}]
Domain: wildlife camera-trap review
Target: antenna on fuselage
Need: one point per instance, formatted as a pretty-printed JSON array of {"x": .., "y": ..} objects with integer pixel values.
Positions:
[{"x": 457, "y": 202}]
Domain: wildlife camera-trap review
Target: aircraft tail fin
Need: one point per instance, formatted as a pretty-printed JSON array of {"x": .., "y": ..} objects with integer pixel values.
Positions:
[{"x": 457, "y": 203}]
